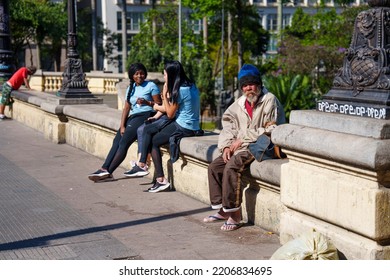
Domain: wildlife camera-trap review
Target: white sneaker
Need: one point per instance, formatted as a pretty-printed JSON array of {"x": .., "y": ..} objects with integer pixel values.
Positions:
[
  {"x": 99, "y": 175},
  {"x": 137, "y": 171},
  {"x": 159, "y": 187}
]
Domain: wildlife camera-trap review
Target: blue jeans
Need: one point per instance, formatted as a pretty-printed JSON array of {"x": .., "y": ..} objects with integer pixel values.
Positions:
[
  {"x": 153, "y": 139},
  {"x": 157, "y": 125},
  {"x": 121, "y": 144}
]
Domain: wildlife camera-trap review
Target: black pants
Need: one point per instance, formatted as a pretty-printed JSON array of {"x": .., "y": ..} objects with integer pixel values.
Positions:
[{"x": 121, "y": 143}]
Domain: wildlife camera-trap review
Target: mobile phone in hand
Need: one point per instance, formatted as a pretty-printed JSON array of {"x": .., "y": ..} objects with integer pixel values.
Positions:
[{"x": 149, "y": 120}]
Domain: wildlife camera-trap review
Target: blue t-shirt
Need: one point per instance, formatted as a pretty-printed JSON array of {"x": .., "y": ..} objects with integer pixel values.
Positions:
[
  {"x": 188, "y": 113},
  {"x": 146, "y": 90}
]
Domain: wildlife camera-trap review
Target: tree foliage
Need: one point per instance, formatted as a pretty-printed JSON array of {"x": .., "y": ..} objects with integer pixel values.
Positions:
[
  {"x": 293, "y": 91},
  {"x": 248, "y": 38},
  {"x": 40, "y": 21},
  {"x": 202, "y": 63},
  {"x": 315, "y": 45},
  {"x": 153, "y": 49},
  {"x": 45, "y": 23}
]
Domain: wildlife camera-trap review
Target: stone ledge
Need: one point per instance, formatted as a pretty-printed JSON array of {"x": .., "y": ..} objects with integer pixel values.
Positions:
[
  {"x": 350, "y": 244},
  {"x": 358, "y": 151},
  {"x": 268, "y": 171},
  {"x": 379, "y": 129},
  {"x": 203, "y": 148},
  {"x": 96, "y": 114}
]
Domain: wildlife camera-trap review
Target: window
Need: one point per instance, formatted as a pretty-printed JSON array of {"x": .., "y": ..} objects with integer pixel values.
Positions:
[
  {"x": 119, "y": 43},
  {"x": 196, "y": 26},
  {"x": 120, "y": 63},
  {"x": 273, "y": 43},
  {"x": 118, "y": 20},
  {"x": 286, "y": 20},
  {"x": 134, "y": 21},
  {"x": 272, "y": 22}
]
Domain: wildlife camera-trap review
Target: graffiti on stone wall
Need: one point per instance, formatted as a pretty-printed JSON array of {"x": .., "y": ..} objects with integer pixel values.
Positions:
[{"x": 353, "y": 110}]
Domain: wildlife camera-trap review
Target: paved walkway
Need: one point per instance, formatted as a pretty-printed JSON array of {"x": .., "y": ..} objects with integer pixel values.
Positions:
[{"x": 50, "y": 210}]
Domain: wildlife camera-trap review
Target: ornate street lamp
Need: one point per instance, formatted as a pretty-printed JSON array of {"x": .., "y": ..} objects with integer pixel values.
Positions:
[
  {"x": 74, "y": 84},
  {"x": 6, "y": 55}
]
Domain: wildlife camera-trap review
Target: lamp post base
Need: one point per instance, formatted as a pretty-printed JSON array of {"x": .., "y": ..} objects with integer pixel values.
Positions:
[{"x": 74, "y": 84}]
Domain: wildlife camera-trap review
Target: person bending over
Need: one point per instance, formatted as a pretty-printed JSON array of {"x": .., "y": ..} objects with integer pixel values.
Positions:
[{"x": 19, "y": 78}]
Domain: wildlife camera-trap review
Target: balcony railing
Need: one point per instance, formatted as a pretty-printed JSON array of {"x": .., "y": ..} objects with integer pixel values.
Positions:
[{"x": 98, "y": 82}]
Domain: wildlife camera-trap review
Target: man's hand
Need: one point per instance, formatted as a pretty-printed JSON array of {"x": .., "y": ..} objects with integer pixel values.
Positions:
[
  {"x": 235, "y": 145},
  {"x": 226, "y": 154},
  {"x": 228, "y": 151}
]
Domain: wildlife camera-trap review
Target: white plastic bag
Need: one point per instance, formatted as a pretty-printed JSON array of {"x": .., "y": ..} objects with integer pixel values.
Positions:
[{"x": 309, "y": 246}]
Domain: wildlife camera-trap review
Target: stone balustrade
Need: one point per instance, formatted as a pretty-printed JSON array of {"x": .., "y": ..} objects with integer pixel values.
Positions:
[{"x": 98, "y": 82}]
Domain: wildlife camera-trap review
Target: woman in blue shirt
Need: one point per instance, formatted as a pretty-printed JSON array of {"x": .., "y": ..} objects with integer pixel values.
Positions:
[
  {"x": 141, "y": 96},
  {"x": 181, "y": 102}
]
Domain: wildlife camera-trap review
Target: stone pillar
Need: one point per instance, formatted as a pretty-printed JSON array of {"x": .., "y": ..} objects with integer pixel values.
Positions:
[
  {"x": 337, "y": 180},
  {"x": 7, "y": 68}
]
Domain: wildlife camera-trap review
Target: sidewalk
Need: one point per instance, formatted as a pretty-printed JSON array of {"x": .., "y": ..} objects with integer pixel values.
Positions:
[{"x": 50, "y": 210}]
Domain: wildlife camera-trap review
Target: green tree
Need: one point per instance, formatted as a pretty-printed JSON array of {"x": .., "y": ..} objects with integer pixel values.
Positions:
[
  {"x": 206, "y": 86},
  {"x": 44, "y": 24},
  {"x": 39, "y": 22},
  {"x": 247, "y": 42},
  {"x": 315, "y": 45},
  {"x": 154, "y": 48},
  {"x": 23, "y": 24},
  {"x": 293, "y": 91},
  {"x": 50, "y": 32}
]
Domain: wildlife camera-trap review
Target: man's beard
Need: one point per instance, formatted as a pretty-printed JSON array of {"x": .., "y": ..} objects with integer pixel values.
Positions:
[{"x": 252, "y": 96}]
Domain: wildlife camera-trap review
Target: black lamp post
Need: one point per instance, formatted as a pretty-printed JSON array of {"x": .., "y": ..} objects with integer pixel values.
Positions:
[
  {"x": 74, "y": 84},
  {"x": 6, "y": 55}
]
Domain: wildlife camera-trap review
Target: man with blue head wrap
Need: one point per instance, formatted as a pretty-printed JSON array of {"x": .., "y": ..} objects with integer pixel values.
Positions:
[{"x": 255, "y": 113}]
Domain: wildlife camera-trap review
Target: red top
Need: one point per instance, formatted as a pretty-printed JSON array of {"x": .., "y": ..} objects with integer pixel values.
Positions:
[
  {"x": 17, "y": 79},
  {"x": 249, "y": 108}
]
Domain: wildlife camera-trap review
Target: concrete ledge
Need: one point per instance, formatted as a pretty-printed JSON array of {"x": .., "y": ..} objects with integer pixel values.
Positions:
[
  {"x": 96, "y": 114},
  {"x": 374, "y": 128},
  {"x": 350, "y": 244},
  {"x": 363, "y": 152},
  {"x": 202, "y": 147},
  {"x": 356, "y": 193},
  {"x": 268, "y": 171}
]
